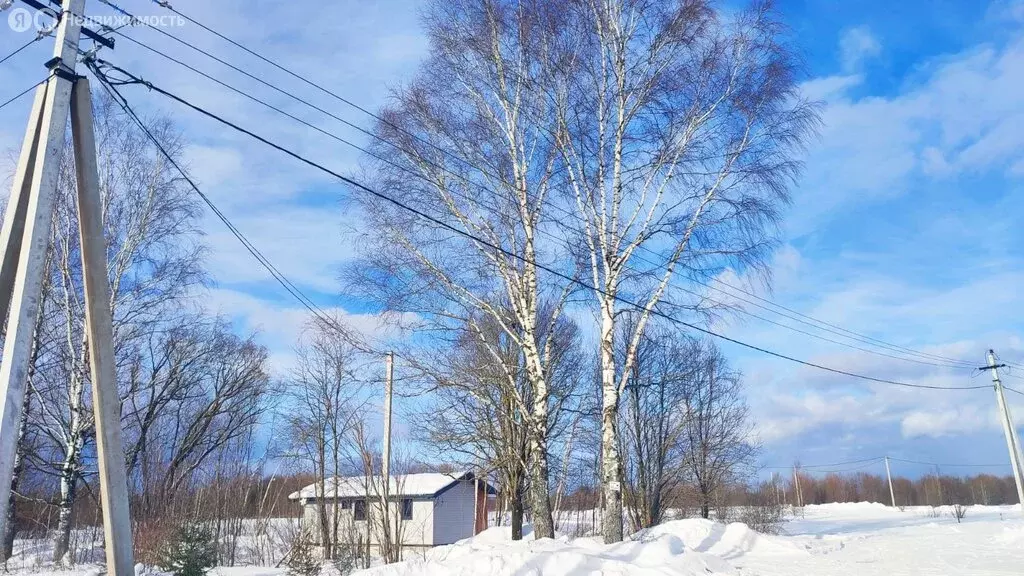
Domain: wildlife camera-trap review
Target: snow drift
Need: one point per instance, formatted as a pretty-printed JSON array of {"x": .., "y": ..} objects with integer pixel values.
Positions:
[{"x": 678, "y": 548}]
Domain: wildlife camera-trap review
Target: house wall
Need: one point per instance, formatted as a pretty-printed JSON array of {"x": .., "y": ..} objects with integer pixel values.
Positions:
[
  {"x": 453, "y": 514},
  {"x": 416, "y": 532}
]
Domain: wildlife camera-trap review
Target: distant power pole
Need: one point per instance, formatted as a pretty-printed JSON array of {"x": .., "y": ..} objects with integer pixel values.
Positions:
[
  {"x": 892, "y": 494},
  {"x": 24, "y": 240},
  {"x": 1012, "y": 442},
  {"x": 799, "y": 492},
  {"x": 386, "y": 456}
]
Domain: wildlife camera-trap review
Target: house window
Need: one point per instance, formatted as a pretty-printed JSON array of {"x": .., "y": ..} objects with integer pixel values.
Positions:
[
  {"x": 346, "y": 504},
  {"x": 407, "y": 509},
  {"x": 359, "y": 509}
]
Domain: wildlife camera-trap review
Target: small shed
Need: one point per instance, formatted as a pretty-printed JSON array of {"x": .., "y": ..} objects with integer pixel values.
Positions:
[{"x": 432, "y": 509}]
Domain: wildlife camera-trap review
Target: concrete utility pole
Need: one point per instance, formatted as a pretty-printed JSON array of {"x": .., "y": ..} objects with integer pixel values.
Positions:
[
  {"x": 1012, "y": 442},
  {"x": 24, "y": 240},
  {"x": 799, "y": 492},
  {"x": 386, "y": 456},
  {"x": 892, "y": 494}
]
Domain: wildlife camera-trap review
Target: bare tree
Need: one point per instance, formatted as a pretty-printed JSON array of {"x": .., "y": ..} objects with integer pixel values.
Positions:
[
  {"x": 153, "y": 261},
  {"x": 654, "y": 421},
  {"x": 677, "y": 131},
  {"x": 322, "y": 413},
  {"x": 481, "y": 389},
  {"x": 469, "y": 156},
  {"x": 719, "y": 435}
]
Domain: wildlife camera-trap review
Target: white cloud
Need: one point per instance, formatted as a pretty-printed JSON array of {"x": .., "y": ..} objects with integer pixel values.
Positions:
[
  {"x": 829, "y": 87},
  {"x": 939, "y": 423},
  {"x": 857, "y": 45},
  {"x": 959, "y": 115},
  {"x": 307, "y": 243},
  {"x": 281, "y": 326}
]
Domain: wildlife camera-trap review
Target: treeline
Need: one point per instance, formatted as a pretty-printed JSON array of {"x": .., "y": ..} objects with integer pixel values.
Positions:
[{"x": 927, "y": 490}]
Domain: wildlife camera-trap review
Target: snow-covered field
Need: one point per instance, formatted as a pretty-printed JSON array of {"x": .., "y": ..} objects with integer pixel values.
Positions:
[
  {"x": 829, "y": 540},
  {"x": 834, "y": 539}
]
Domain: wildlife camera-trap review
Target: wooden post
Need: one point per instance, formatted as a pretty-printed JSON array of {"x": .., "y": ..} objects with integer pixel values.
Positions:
[
  {"x": 26, "y": 292},
  {"x": 117, "y": 529}
]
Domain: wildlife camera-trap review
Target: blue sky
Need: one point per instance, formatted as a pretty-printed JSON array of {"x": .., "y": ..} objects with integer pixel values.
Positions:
[{"x": 905, "y": 227}]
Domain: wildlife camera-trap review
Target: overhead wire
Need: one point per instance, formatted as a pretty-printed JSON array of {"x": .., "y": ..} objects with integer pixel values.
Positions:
[
  {"x": 850, "y": 465},
  {"x": 829, "y": 465},
  {"x": 542, "y": 231},
  {"x": 287, "y": 284},
  {"x": 948, "y": 465},
  {"x": 22, "y": 47},
  {"x": 929, "y": 359},
  {"x": 484, "y": 243},
  {"x": 377, "y": 117},
  {"x": 23, "y": 92}
]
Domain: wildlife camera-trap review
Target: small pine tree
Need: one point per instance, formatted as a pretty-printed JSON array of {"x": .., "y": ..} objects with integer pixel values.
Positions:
[
  {"x": 191, "y": 552},
  {"x": 303, "y": 561}
]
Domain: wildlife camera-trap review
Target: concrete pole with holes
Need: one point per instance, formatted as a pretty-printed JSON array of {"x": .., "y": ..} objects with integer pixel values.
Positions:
[
  {"x": 888, "y": 475},
  {"x": 1012, "y": 444}
]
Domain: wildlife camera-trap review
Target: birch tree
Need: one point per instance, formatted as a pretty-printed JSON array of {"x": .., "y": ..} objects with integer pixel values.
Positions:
[
  {"x": 477, "y": 416},
  {"x": 676, "y": 129},
  {"x": 461, "y": 146},
  {"x": 153, "y": 261}
]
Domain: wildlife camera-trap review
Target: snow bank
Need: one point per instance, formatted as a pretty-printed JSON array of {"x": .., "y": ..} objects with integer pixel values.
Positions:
[
  {"x": 725, "y": 541},
  {"x": 660, "y": 551}
]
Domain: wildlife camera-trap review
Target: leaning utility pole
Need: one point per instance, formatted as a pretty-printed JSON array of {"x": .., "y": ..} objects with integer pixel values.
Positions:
[
  {"x": 799, "y": 492},
  {"x": 24, "y": 240},
  {"x": 1012, "y": 442},
  {"x": 889, "y": 476},
  {"x": 892, "y": 494}
]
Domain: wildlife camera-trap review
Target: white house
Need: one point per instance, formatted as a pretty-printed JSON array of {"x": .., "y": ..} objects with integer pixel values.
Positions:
[{"x": 430, "y": 509}]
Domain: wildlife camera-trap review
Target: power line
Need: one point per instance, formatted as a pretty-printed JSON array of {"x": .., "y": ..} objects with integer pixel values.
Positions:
[
  {"x": 18, "y": 50},
  {"x": 946, "y": 465},
  {"x": 25, "y": 91},
  {"x": 542, "y": 231},
  {"x": 866, "y": 462},
  {"x": 829, "y": 465},
  {"x": 821, "y": 325},
  {"x": 487, "y": 244},
  {"x": 288, "y": 285}
]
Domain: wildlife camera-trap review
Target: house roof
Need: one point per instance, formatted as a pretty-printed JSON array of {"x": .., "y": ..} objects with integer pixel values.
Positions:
[{"x": 401, "y": 486}]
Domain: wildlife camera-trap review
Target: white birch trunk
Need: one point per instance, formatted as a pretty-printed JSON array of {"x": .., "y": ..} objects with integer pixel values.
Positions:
[{"x": 611, "y": 522}]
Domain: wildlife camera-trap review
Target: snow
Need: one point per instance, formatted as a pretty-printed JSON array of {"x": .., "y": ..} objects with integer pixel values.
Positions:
[
  {"x": 829, "y": 540},
  {"x": 427, "y": 484}
]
